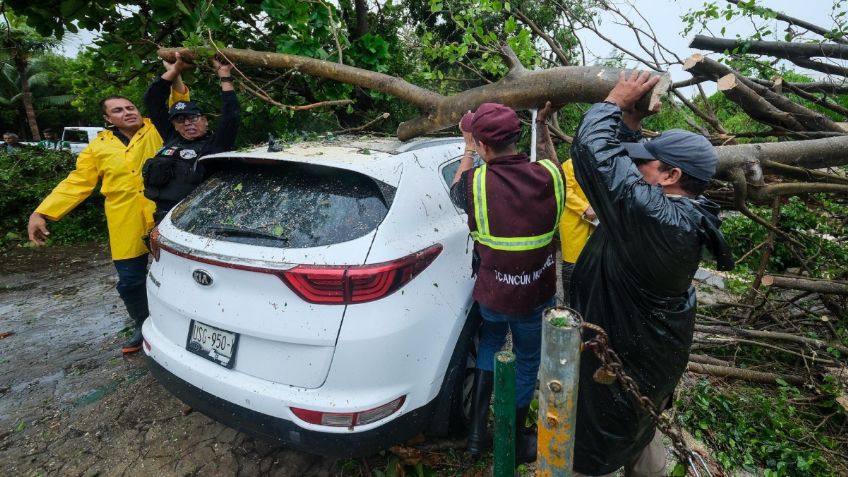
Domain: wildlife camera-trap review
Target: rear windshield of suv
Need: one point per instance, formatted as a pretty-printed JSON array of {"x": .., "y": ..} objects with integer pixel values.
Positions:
[{"x": 284, "y": 205}]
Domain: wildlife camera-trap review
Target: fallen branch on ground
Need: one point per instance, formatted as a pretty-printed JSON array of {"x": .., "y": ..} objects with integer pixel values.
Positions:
[
  {"x": 807, "y": 284},
  {"x": 743, "y": 374}
]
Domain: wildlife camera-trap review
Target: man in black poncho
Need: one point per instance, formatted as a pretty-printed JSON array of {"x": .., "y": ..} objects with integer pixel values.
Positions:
[
  {"x": 174, "y": 172},
  {"x": 634, "y": 278}
]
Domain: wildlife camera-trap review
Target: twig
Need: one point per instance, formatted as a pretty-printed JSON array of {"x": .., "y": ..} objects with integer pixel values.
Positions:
[
  {"x": 764, "y": 259},
  {"x": 321, "y": 104},
  {"x": 364, "y": 126},
  {"x": 729, "y": 340},
  {"x": 812, "y": 342},
  {"x": 749, "y": 252}
]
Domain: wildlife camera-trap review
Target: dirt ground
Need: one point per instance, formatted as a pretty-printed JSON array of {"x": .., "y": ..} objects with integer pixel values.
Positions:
[{"x": 71, "y": 404}]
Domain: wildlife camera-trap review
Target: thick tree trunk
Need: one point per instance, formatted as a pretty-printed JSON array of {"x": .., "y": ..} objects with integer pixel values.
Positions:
[
  {"x": 780, "y": 49},
  {"x": 26, "y": 100},
  {"x": 520, "y": 89},
  {"x": 759, "y": 101},
  {"x": 812, "y": 154},
  {"x": 798, "y": 53},
  {"x": 807, "y": 284}
]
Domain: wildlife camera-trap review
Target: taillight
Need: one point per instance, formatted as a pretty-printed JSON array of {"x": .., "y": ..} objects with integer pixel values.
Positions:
[
  {"x": 155, "y": 248},
  {"x": 344, "y": 285},
  {"x": 349, "y": 419}
]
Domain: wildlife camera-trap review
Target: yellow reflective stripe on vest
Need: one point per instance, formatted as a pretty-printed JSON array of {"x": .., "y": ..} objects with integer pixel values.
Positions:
[
  {"x": 515, "y": 244},
  {"x": 559, "y": 186},
  {"x": 479, "y": 194}
]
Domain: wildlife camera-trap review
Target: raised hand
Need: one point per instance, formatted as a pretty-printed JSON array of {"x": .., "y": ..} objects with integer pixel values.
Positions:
[
  {"x": 628, "y": 90},
  {"x": 222, "y": 68}
]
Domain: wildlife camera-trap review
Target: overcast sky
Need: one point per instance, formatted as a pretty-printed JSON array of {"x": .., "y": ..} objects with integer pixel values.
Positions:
[
  {"x": 665, "y": 17},
  {"x": 665, "y": 21}
]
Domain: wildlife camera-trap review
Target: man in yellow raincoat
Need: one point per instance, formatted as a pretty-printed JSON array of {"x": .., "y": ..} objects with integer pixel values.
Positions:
[
  {"x": 116, "y": 158},
  {"x": 578, "y": 218},
  {"x": 577, "y": 223}
]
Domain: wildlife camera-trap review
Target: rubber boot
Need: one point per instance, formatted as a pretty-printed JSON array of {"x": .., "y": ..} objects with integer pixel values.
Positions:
[
  {"x": 136, "y": 304},
  {"x": 481, "y": 397},
  {"x": 525, "y": 438}
]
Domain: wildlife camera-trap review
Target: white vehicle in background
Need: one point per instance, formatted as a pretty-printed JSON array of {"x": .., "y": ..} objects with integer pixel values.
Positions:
[
  {"x": 319, "y": 297},
  {"x": 79, "y": 137}
]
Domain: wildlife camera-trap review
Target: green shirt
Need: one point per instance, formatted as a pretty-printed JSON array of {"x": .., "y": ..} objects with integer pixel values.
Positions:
[{"x": 54, "y": 145}]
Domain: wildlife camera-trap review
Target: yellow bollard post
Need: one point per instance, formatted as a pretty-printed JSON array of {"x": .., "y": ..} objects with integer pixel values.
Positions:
[{"x": 559, "y": 373}]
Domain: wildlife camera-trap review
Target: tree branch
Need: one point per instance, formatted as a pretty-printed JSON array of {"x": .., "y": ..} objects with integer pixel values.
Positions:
[
  {"x": 800, "y": 23},
  {"x": 553, "y": 44},
  {"x": 743, "y": 374},
  {"x": 528, "y": 90}
]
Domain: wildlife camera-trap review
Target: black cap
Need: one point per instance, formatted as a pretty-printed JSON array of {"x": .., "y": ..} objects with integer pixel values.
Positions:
[
  {"x": 691, "y": 152},
  {"x": 184, "y": 108}
]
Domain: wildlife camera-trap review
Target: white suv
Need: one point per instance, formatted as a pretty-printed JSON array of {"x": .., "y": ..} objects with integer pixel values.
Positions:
[{"x": 319, "y": 297}]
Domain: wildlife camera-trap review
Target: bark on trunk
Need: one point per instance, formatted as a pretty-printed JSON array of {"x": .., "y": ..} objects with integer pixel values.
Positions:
[
  {"x": 807, "y": 284},
  {"x": 812, "y": 154},
  {"x": 781, "y": 49},
  {"x": 759, "y": 101},
  {"x": 743, "y": 374},
  {"x": 520, "y": 89},
  {"x": 798, "y": 53},
  {"x": 26, "y": 100}
]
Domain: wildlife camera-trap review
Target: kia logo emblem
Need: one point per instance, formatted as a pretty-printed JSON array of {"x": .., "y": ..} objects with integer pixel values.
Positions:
[{"x": 202, "y": 277}]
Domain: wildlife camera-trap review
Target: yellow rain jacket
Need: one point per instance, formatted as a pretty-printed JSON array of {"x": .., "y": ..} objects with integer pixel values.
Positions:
[
  {"x": 573, "y": 230},
  {"x": 129, "y": 214}
]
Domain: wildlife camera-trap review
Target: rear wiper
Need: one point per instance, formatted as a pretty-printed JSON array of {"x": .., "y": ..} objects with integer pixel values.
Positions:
[{"x": 235, "y": 230}]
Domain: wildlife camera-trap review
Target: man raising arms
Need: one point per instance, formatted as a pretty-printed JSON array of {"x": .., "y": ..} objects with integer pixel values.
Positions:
[{"x": 116, "y": 158}]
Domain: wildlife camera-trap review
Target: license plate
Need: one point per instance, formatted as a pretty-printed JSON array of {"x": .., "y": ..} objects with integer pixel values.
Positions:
[{"x": 212, "y": 343}]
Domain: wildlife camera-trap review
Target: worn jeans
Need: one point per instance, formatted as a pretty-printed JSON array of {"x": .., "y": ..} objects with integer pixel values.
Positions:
[
  {"x": 526, "y": 344},
  {"x": 132, "y": 275}
]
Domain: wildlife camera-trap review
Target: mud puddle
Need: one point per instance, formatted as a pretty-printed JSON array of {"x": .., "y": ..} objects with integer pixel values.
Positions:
[{"x": 71, "y": 404}]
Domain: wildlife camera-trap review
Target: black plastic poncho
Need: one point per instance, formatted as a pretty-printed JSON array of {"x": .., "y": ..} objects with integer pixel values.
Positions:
[{"x": 633, "y": 278}]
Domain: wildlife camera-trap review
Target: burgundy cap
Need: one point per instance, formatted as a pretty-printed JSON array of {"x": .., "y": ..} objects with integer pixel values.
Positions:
[
  {"x": 465, "y": 122},
  {"x": 495, "y": 123}
]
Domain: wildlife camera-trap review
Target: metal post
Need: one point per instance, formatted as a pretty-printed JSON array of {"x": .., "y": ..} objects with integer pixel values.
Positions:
[
  {"x": 504, "y": 446},
  {"x": 559, "y": 373}
]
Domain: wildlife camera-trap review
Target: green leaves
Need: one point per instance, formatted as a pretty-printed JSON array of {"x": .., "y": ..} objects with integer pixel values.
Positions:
[{"x": 754, "y": 430}]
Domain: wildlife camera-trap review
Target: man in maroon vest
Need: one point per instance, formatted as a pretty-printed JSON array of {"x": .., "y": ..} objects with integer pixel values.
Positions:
[{"x": 513, "y": 208}]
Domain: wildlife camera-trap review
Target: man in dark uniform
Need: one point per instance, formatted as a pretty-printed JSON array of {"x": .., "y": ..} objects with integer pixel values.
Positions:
[
  {"x": 174, "y": 172},
  {"x": 513, "y": 208},
  {"x": 634, "y": 277}
]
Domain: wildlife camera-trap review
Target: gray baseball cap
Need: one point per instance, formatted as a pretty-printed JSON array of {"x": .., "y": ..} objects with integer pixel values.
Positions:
[{"x": 691, "y": 152}]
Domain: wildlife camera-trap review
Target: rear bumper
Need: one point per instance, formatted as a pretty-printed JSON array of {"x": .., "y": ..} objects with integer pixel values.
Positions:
[{"x": 286, "y": 433}]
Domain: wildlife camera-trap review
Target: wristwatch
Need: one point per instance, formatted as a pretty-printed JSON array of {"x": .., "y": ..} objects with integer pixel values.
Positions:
[{"x": 226, "y": 79}]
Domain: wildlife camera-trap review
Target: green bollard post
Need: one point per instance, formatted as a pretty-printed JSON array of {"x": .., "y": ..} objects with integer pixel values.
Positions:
[{"x": 504, "y": 446}]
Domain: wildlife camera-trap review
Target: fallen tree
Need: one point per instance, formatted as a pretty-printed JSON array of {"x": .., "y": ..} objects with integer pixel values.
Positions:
[
  {"x": 798, "y": 53},
  {"x": 742, "y": 165},
  {"x": 519, "y": 89}
]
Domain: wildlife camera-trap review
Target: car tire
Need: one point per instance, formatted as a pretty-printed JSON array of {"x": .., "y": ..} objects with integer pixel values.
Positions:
[{"x": 460, "y": 414}]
